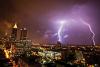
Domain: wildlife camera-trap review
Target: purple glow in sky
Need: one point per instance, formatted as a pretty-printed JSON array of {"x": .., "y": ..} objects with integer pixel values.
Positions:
[{"x": 39, "y": 16}]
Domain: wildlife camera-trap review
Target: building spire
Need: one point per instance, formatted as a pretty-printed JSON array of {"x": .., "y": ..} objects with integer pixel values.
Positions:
[{"x": 15, "y": 26}]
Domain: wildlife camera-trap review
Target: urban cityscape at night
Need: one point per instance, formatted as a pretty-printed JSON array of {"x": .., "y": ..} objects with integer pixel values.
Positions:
[{"x": 49, "y": 33}]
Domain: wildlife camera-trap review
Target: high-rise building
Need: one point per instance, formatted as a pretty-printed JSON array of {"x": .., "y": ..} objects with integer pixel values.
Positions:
[
  {"x": 14, "y": 33},
  {"x": 23, "y": 35}
]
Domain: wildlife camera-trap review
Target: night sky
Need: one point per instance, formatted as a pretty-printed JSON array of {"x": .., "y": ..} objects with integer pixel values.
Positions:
[{"x": 41, "y": 18}]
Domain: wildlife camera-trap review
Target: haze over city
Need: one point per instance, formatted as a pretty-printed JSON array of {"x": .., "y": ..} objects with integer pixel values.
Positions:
[{"x": 49, "y": 33}]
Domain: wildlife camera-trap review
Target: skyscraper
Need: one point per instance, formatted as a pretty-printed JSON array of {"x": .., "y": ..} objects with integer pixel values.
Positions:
[
  {"x": 14, "y": 33},
  {"x": 23, "y": 35}
]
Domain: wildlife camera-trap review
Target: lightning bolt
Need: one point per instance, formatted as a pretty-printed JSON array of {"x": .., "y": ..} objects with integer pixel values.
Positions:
[
  {"x": 60, "y": 31},
  {"x": 90, "y": 28}
]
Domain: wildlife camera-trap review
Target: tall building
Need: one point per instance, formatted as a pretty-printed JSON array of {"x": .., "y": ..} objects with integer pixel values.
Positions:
[
  {"x": 14, "y": 33},
  {"x": 23, "y": 35},
  {"x": 18, "y": 47}
]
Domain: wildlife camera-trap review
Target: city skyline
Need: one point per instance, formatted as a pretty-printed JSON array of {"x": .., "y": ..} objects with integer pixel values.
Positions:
[{"x": 49, "y": 33}]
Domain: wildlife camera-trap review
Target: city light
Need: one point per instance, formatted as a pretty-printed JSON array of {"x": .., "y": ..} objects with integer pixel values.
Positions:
[
  {"x": 15, "y": 26},
  {"x": 6, "y": 53}
]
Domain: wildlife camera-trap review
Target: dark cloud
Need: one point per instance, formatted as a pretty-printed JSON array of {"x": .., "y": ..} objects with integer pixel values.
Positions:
[{"x": 6, "y": 10}]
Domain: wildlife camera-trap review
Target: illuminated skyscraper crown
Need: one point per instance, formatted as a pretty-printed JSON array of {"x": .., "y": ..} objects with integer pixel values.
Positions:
[{"x": 15, "y": 26}]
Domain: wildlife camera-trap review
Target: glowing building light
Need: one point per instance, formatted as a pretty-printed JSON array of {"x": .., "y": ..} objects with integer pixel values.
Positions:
[
  {"x": 6, "y": 53},
  {"x": 15, "y": 26}
]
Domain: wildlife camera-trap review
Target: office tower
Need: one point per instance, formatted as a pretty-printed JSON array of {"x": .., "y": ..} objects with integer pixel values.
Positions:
[
  {"x": 14, "y": 33},
  {"x": 23, "y": 35}
]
